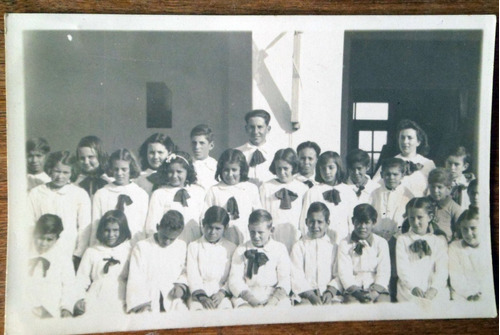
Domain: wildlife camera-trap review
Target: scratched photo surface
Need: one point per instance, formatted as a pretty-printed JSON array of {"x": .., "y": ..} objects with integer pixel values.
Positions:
[{"x": 367, "y": 147}]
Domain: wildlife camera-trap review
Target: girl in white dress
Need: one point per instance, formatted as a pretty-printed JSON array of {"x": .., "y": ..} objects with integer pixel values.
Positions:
[
  {"x": 179, "y": 192},
  {"x": 234, "y": 193},
  {"x": 282, "y": 197},
  {"x": 103, "y": 272},
  {"x": 122, "y": 194},
  {"x": 152, "y": 154}
]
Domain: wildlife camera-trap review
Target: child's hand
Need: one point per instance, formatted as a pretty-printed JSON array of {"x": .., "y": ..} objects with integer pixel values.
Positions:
[
  {"x": 249, "y": 297},
  {"x": 66, "y": 314},
  {"x": 431, "y": 293},
  {"x": 327, "y": 298},
  {"x": 474, "y": 297},
  {"x": 362, "y": 296},
  {"x": 312, "y": 297},
  {"x": 41, "y": 312},
  {"x": 206, "y": 302},
  {"x": 79, "y": 307},
  {"x": 177, "y": 292},
  {"x": 373, "y": 295},
  {"x": 217, "y": 298},
  {"x": 141, "y": 308},
  {"x": 417, "y": 291}
]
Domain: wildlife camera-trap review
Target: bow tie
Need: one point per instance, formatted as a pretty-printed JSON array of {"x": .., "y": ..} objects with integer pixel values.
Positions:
[
  {"x": 421, "y": 247},
  {"x": 123, "y": 200},
  {"x": 332, "y": 196},
  {"x": 92, "y": 183},
  {"x": 109, "y": 262},
  {"x": 309, "y": 183},
  {"x": 257, "y": 158},
  {"x": 360, "y": 244},
  {"x": 255, "y": 260},
  {"x": 181, "y": 196},
  {"x": 286, "y": 196},
  {"x": 232, "y": 208},
  {"x": 411, "y": 167},
  {"x": 34, "y": 262},
  {"x": 360, "y": 189}
]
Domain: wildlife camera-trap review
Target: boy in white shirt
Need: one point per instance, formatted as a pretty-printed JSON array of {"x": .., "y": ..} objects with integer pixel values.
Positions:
[
  {"x": 202, "y": 142},
  {"x": 36, "y": 153},
  {"x": 358, "y": 162},
  {"x": 458, "y": 162}
]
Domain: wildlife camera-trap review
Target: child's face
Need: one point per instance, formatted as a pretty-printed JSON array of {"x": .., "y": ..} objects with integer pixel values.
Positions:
[
  {"x": 257, "y": 130},
  {"x": 456, "y": 166},
  {"x": 176, "y": 175},
  {"x": 213, "y": 231},
  {"x": 231, "y": 173},
  {"x": 392, "y": 177},
  {"x": 201, "y": 146},
  {"x": 60, "y": 175},
  {"x": 166, "y": 236},
  {"x": 284, "y": 171},
  {"x": 317, "y": 225},
  {"x": 363, "y": 228},
  {"x": 45, "y": 242},
  {"x": 157, "y": 153},
  {"x": 419, "y": 220},
  {"x": 439, "y": 191},
  {"x": 121, "y": 172},
  {"x": 111, "y": 233},
  {"x": 357, "y": 172},
  {"x": 470, "y": 232},
  {"x": 260, "y": 233},
  {"x": 408, "y": 142},
  {"x": 36, "y": 160},
  {"x": 307, "y": 161},
  {"x": 88, "y": 159},
  {"x": 473, "y": 197},
  {"x": 328, "y": 172}
]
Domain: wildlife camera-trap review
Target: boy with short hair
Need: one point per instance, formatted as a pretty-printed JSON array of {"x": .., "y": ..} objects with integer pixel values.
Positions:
[
  {"x": 157, "y": 275},
  {"x": 446, "y": 211},
  {"x": 458, "y": 162},
  {"x": 314, "y": 261},
  {"x": 364, "y": 263},
  {"x": 358, "y": 162},
  {"x": 308, "y": 153},
  {"x": 473, "y": 194},
  {"x": 36, "y": 153},
  {"x": 258, "y": 152},
  {"x": 202, "y": 142},
  {"x": 260, "y": 268}
]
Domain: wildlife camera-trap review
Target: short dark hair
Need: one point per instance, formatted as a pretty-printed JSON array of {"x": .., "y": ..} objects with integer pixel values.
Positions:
[
  {"x": 357, "y": 156},
  {"x": 48, "y": 224},
  {"x": 311, "y": 145},
  {"x": 323, "y": 159},
  {"x": 460, "y": 151},
  {"x": 165, "y": 140},
  {"x": 393, "y": 162},
  {"x": 440, "y": 175},
  {"x": 364, "y": 213},
  {"x": 288, "y": 155},
  {"x": 260, "y": 215},
  {"x": 232, "y": 156},
  {"x": 115, "y": 216},
  {"x": 423, "y": 148},
  {"x": 469, "y": 214},
  {"x": 203, "y": 130},
  {"x": 472, "y": 186},
  {"x": 125, "y": 155},
  {"x": 258, "y": 113},
  {"x": 37, "y": 144},
  {"x": 64, "y": 157},
  {"x": 96, "y": 144},
  {"x": 317, "y": 207},
  {"x": 172, "y": 220},
  {"x": 182, "y": 158},
  {"x": 216, "y": 214}
]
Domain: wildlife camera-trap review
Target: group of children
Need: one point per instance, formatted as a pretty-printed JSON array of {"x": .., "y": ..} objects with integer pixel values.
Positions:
[{"x": 258, "y": 227}]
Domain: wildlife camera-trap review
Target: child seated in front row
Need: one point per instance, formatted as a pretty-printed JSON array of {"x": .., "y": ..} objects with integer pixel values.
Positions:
[
  {"x": 260, "y": 268},
  {"x": 467, "y": 264},
  {"x": 364, "y": 265},
  {"x": 314, "y": 261},
  {"x": 202, "y": 142},
  {"x": 208, "y": 263},
  {"x": 421, "y": 257},
  {"x": 446, "y": 210},
  {"x": 157, "y": 275},
  {"x": 51, "y": 288},
  {"x": 457, "y": 162}
]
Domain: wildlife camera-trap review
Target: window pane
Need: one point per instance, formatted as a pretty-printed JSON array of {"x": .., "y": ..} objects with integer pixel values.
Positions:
[
  {"x": 379, "y": 139},
  {"x": 371, "y": 110},
  {"x": 365, "y": 140}
]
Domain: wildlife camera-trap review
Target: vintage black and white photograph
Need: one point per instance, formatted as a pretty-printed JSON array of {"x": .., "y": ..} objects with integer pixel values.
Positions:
[{"x": 184, "y": 171}]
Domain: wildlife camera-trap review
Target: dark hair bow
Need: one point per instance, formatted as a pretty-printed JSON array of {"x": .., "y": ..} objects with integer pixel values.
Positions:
[
  {"x": 45, "y": 264},
  {"x": 332, "y": 196},
  {"x": 255, "y": 260},
  {"x": 421, "y": 248},
  {"x": 411, "y": 167},
  {"x": 123, "y": 200},
  {"x": 109, "y": 262},
  {"x": 309, "y": 183},
  {"x": 232, "y": 208},
  {"x": 286, "y": 196},
  {"x": 181, "y": 196},
  {"x": 92, "y": 183},
  {"x": 257, "y": 158}
]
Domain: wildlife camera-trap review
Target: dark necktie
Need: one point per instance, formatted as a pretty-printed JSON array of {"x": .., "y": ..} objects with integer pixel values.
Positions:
[
  {"x": 232, "y": 208},
  {"x": 257, "y": 158},
  {"x": 123, "y": 200},
  {"x": 181, "y": 196},
  {"x": 255, "y": 260},
  {"x": 421, "y": 248},
  {"x": 286, "y": 196},
  {"x": 34, "y": 263},
  {"x": 309, "y": 183},
  {"x": 332, "y": 196},
  {"x": 109, "y": 262}
]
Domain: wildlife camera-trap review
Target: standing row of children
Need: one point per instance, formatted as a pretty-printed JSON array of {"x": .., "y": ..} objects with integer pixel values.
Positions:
[{"x": 216, "y": 234}]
